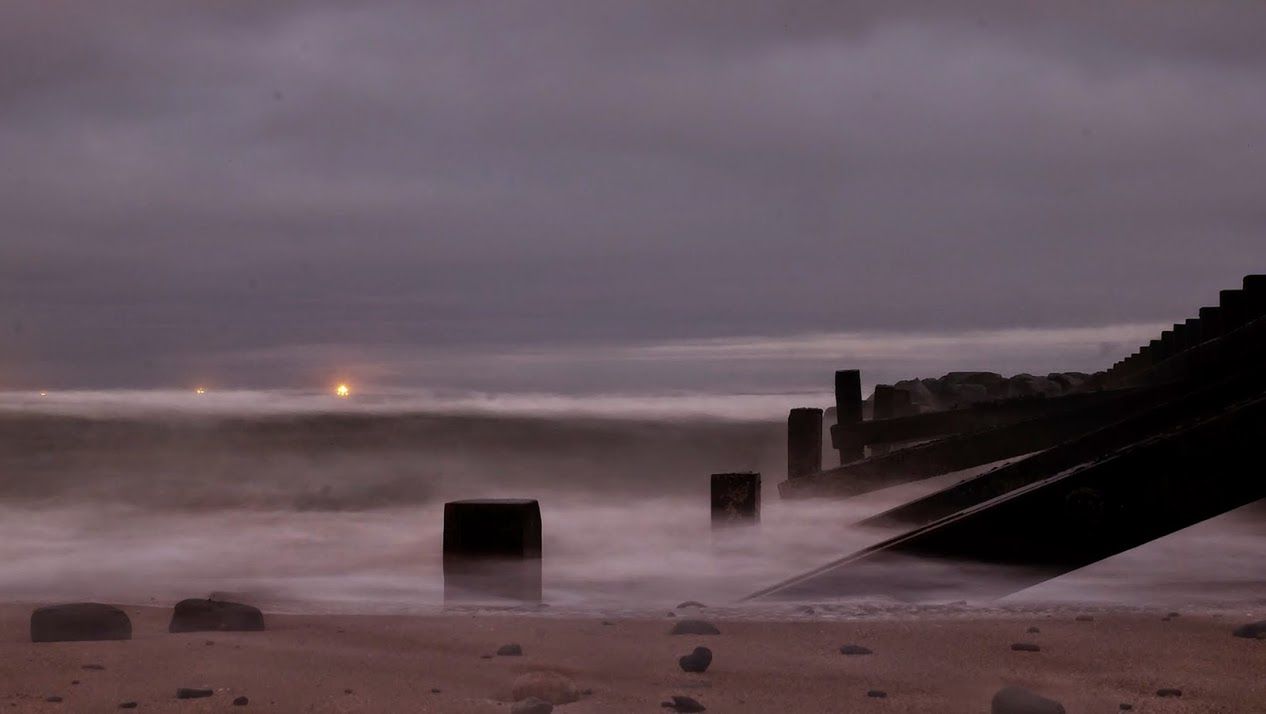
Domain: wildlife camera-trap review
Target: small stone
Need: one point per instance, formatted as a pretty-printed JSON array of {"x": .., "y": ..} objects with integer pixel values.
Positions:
[
  {"x": 197, "y": 615},
  {"x": 697, "y": 661},
  {"x": 485, "y": 656},
  {"x": 128, "y": 705},
  {"x": 547, "y": 686},
  {"x": 608, "y": 623},
  {"x": 1126, "y": 707},
  {"x": 531, "y": 705},
  {"x": 511, "y": 650},
  {"x": 694, "y": 627},
  {"x": 1252, "y": 631},
  {"x": 241, "y": 702},
  {"x": 1025, "y": 647},
  {"x": 683, "y": 704},
  {"x": 854, "y": 650},
  {"x": 1033, "y": 630},
  {"x": 208, "y": 643},
  {"x": 54, "y": 699},
  {"x": 94, "y": 667},
  {"x": 435, "y": 690},
  {"x": 877, "y": 694},
  {"x": 1173, "y": 615},
  {"x": 1169, "y": 692},
  {"x": 189, "y": 693},
  {"x": 690, "y": 603},
  {"x": 347, "y": 691},
  {"x": 1085, "y": 618},
  {"x": 1015, "y": 700},
  {"x": 74, "y": 681}
]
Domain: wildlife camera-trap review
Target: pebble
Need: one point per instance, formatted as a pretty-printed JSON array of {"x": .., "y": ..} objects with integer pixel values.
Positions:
[
  {"x": 1016, "y": 700},
  {"x": 128, "y": 705},
  {"x": 53, "y": 699},
  {"x": 435, "y": 690},
  {"x": 1025, "y": 647},
  {"x": 1033, "y": 630},
  {"x": 1252, "y": 631},
  {"x": 694, "y": 627},
  {"x": 697, "y": 661},
  {"x": 95, "y": 667},
  {"x": 855, "y": 650},
  {"x": 1085, "y": 618},
  {"x": 877, "y": 694},
  {"x": 189, "y": 693},
  {"x": 241, "y": 702},
  {"x": 512, "y": 650},
  {"x": 683, "y": 704},
  {"x": 1169, "y": 692},
  {"x": 347, "y": 691},
  {"x": 531, "y": 705},
  {"x": 1126, "y": 707}
]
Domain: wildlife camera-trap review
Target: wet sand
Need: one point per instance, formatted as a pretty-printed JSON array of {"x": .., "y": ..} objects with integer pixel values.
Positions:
[{"x": 392, "y": 663}]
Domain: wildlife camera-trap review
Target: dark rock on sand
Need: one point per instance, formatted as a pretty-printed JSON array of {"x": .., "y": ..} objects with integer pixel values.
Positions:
[
  {"x": 1169, "y": 692},
  {"x": 694, "y": 627},
  {"x": 683, "y": 704},
  {"x": 241, "y": 702},
  {"x": 1126, "y": 707},
  {"x": 511, "y": 650},
  {"x": 189, "y": 693},
  {"x": 1014, "y": 700},
  {"x": 1033, "y": 630},
  {"x": 854, "y": 650},
  {"x": 1085, "y": 618},
  {"x": 196, "y": 615},
  {"x": 128, "y": 705},
  {"x": 877, "y": 694},
  {"x": 690, "y": 603},
  {"x": 1252, "y": 631},
  {"x": 435, "y": 690},
  {"x": 94, "y": 667},
  {"x": 1025, "y": 647},
  {"x": 697, "y": 661},
  {"x": 532, "y": 705},
  {"x": 54, "y": 699},
  {"x": 79, "y": 622}
]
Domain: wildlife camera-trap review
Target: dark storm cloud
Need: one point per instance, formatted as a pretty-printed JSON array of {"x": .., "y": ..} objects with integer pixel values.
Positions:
[{"x": 183, "y": 184}]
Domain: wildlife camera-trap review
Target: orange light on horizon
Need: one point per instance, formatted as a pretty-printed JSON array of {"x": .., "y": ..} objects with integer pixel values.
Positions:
[
  {"x": 200, "y": 390},
  {"x": 43, "y": 394},
  {"x": 343, "y": 391}
]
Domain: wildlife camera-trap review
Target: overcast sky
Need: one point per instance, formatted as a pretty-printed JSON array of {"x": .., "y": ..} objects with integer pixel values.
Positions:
[{"x": 269, "y": 193}]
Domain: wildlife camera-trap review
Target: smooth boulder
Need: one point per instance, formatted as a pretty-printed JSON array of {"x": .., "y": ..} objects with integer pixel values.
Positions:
[
  {"x": 683, "y": 704},
  {"x": 1015, "y": 700},
  {"x": 197, "y": 615},
  {"x": 79, "y": 622}
]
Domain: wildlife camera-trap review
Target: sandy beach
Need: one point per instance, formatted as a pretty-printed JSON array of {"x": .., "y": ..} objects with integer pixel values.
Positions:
[{"x": 347, "y": 663}]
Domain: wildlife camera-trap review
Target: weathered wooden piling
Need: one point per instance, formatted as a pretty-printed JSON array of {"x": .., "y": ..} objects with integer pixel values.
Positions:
[
  {"x": 883, "y": 404},
  {"x": 1234, "y": 304},
  {"x": 804, "y": 442},
  {"x": 492, "y": 550},
  {"x": 735, "y": 499},
  {"x": 848, "y": 410},
  {"x": 1211, "y": 322},
  {"x": 1255, "y": 295},
  {"x": 1195, "y": 331}
]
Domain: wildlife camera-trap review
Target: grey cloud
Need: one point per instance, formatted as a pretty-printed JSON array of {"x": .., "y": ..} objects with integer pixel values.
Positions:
[{"x": 182, "y": 182}]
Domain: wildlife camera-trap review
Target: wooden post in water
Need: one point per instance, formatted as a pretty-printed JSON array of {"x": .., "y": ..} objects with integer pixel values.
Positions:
[
  {"x": 735, "y": 499},
  {"x": 492, "y": 550},
  {"x": 804, "y": 442},
  {"x": 848, "y": 409}
]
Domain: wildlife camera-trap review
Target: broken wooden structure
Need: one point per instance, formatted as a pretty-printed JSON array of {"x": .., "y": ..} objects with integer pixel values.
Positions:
[{"x": 1161, "y": 440}]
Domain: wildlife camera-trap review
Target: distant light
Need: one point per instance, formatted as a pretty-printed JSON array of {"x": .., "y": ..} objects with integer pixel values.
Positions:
[
  {"x": 343, "y": 391},
  {"x": 200, "y": 390},
  {"x": 43, "y": 394}
]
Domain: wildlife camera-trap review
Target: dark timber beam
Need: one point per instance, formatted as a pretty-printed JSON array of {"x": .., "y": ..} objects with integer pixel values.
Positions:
[{"x": 1119, "y": 501}]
